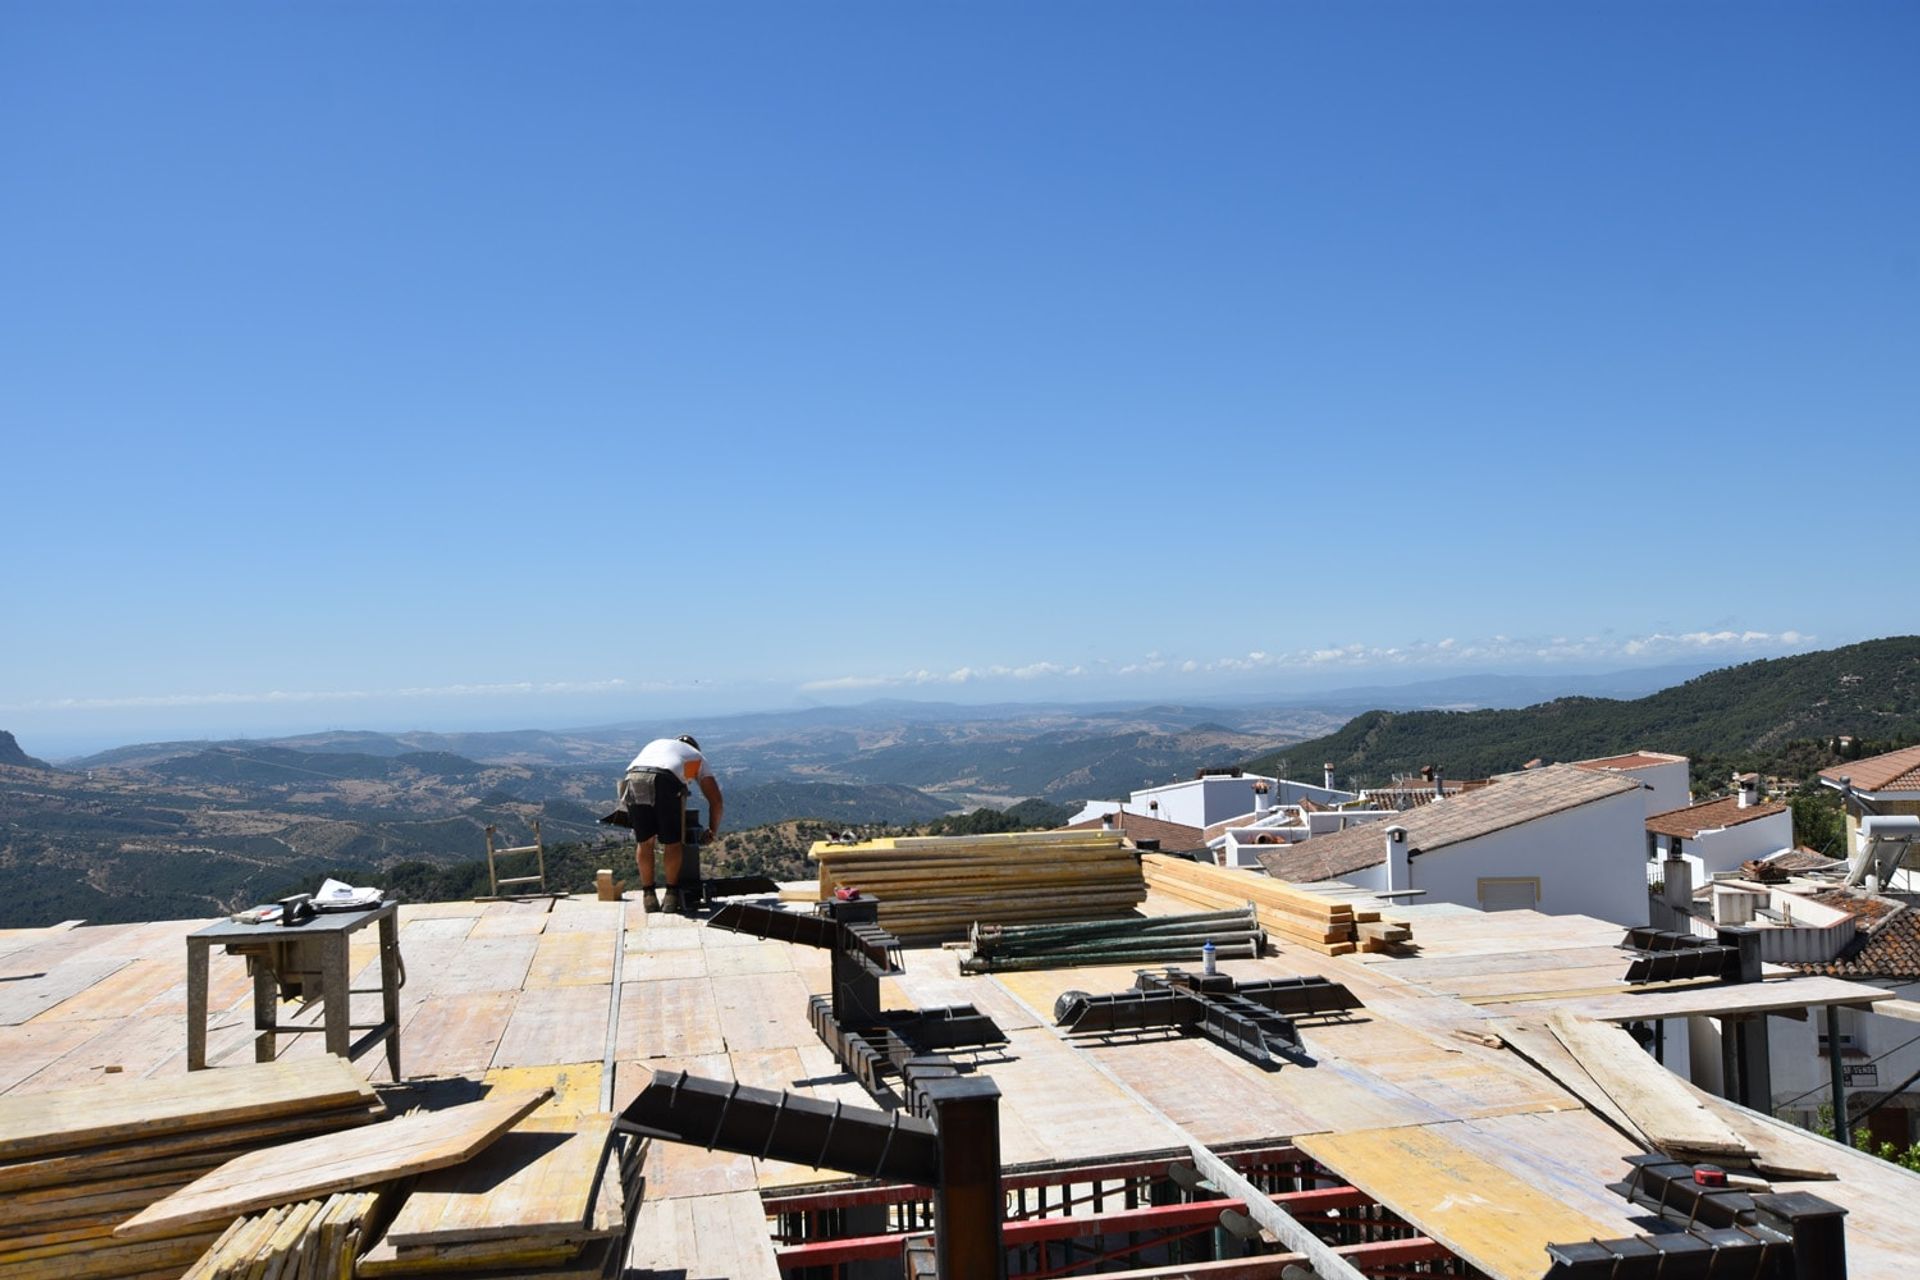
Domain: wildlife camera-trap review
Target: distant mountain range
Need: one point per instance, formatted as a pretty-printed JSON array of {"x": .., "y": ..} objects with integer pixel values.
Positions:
[
  {"x": 189, "y": 828},
  {"x": 1746, "y": 715}
]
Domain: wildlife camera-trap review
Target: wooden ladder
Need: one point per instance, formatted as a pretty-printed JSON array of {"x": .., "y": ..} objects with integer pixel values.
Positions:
[{"x": 537, "y": 848}]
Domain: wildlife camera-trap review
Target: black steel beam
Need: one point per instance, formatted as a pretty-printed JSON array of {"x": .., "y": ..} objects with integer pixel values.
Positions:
[{"x": 728, "y": 1116}]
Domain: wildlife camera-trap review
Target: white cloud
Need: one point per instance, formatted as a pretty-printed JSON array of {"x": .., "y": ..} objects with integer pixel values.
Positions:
[{"x": 1451, "y": 652}]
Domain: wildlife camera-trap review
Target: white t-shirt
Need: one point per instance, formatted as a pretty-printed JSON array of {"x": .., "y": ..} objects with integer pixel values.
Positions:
[{"x": 676, "y": 757}]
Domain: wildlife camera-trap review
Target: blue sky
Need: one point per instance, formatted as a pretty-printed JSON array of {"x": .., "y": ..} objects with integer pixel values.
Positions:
[{"x": 481, "y": 363}]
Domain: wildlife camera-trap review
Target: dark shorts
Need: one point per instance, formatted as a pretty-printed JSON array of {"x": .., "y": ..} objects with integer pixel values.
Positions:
[{"x": 656, "y": 802}]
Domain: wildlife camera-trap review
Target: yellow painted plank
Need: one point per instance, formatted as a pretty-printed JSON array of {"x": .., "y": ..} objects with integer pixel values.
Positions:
[{"x": 1488, "y": 1216}]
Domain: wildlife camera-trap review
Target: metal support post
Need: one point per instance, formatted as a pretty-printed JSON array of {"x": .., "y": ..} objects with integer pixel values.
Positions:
[
  {"x": 969, "y": 1204},
  {"x": 1842, "y": 1131},
  {"x": 1818, "y": 1230}
]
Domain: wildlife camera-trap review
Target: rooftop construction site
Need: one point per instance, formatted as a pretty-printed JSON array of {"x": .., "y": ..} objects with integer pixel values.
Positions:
[{"x": 1037, "y": 1055}]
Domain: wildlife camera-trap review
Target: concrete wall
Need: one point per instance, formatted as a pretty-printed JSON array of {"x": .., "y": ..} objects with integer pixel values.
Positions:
[
  {"x": 1663, "y": 786},
  {"x": 1589, "y": 860}
]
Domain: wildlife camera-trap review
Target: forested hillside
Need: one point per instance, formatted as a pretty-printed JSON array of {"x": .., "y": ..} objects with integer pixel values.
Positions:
[{"x": 1781, "y": 715}]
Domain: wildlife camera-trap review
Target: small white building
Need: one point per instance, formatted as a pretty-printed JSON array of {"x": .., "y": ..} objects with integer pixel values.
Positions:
[
  {"x": 1666, "y": 779},
  {"x": 1214, "y": 796},
  {"x": 1559, "y": 840},
  {"x": 1885, "y": 785},
  {"x": 1716, "y": 836}
]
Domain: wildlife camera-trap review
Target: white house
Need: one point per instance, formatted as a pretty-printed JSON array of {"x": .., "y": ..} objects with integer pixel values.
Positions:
[
  {"x": 1213, "y": 796},
  {"x": 1560, "y": 839},
  {"x": 1666, "y": 778},
  {"x": 1718, "y": 835}
]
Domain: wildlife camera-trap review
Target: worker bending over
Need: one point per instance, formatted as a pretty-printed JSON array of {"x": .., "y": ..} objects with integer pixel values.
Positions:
[{"x": 655, "y": 795}]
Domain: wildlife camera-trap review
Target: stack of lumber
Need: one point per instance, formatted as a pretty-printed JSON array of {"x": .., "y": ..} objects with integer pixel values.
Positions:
[
  {"x": 1327, "y": 925},
  {"x": 75, "y": 1165},
  {"x": 312, "y": 1240},
  {"x": 1005, "y": 948},
  {"x": 554, "y": 1198},
  {"x": 1657, "y": 1103},
  {"x": 939, "y": 886}
]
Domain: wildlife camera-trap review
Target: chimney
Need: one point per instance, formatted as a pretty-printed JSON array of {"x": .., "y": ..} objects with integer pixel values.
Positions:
[
  {"x": 1106, "y": 822},
  {"x": 1745, "y": 785},
  {"x": 1327, "y": 770},
  {"x": 1732, "y": 906},
  {"x": 1678, "y": 875},
  {"x": 1262, "y": 800},
  {"x": 1396, "y": 847},
  {"x": 1439, "y": 782}
]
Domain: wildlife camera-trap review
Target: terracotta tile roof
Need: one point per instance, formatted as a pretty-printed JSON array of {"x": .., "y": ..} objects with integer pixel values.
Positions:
[
  {"x": 1894, "y": 771},
  {"x": 1225, "y": 825},
  {"x": 1631, "y": 760},
  {"x": 1516, "y": 798},
  {"x": 1709, "y": 815},
  {"x": 1174, "y": 837},
  {"x": 1802, "y": 859},
  {"x": 1888, "y": 945},
  {"x": 1414, "y": 794}
]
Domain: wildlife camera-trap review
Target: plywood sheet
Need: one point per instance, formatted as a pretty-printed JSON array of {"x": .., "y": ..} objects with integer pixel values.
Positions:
[
  {"x": 455, "y": 1034},
  {"x": 120, "y": 1050},
  {"x": 762, "y": 1011},
  {"x": 1488, "y": 1216},
  {"x": 572, "y": 960},
  {"x": 514, "y": 924},
  {"x": 538, "y": 1179},
  {"x": 761, "y": 957},
  {"x": 411, "y": 911},
  {"x": 707, "y": 1237},
  {"x": 653, "y": 966},
  {"x": 297, "y": 1171},
  {"x": 668, "y": 1019},
  {"x": 556, "y": 1025},
  {"x": 1651, "y": 1096},
  {"x": 1066, "y": 1107},
  {"x": 491, "y": 964},
  {"x": 440, "y": 929}
]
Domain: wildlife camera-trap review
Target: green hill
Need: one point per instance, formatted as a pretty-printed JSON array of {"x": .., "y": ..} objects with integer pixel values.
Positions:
[{"x": 1779, "y": 715}]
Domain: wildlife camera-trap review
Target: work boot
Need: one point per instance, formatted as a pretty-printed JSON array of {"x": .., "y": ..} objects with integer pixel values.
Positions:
[
  {"x": 648, "y": 903},
  {"x": 670, "y": 902}
]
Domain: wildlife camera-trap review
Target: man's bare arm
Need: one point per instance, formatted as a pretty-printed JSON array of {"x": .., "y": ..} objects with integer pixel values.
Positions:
[{"x": 711, "y": 790}]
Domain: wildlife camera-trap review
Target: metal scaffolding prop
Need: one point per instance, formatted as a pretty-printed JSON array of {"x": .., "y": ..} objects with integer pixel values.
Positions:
[
  {"x": 1664, "y": 956},
  {"x": 876, "y": 1045},
  {"x": 1254, "y": 1019},
  {"x": 1721, "y": 1232},
  {"x": 955, "y": 1150}
]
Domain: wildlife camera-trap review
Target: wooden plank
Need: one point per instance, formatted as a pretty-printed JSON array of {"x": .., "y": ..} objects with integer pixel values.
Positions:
[
  {"x": 762, "y": 1011},
  {"x": 1646, "y": 1091},
  {"x": 491, "y": 964},
  {"x": 1736, "y": 998},
  {"x": 46, "y": 1123},
  {"x": 230, "y": 1140},
  {"x": 1530, "y": 1038},
  {"x": 1327, "y": 1264},
  {"x": 413, "y": 1144},
  {"x": 537, "y": 1179},
  {"x": 1494, "y": 1220},
  {"x": 557, "y": 1024},
  {"x": 26, "y": 1048}
]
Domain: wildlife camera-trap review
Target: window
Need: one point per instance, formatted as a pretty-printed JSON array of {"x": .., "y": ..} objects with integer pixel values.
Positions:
[{"x": 1504, "y": 893}]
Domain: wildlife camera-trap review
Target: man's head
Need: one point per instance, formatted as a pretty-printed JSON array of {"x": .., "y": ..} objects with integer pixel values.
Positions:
[{"x": 688, "y": 739}]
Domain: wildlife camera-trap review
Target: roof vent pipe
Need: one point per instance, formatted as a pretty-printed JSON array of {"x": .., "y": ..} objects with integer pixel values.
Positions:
[
  {"x": 1262, "y": 799},
  {"x": 1327, "y": 770},
  {"x": 1396, "y": 848},
  {"x": 1439, "y": 782}
]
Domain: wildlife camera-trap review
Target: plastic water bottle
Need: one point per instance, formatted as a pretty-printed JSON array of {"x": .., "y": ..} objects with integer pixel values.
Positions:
[{"x": 1206, "y": 958}]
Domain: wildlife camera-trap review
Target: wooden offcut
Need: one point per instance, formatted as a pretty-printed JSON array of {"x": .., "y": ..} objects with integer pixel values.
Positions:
[
  {"x": 337, "y": 1162},
  {"x": 537, "y": 1179}
]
